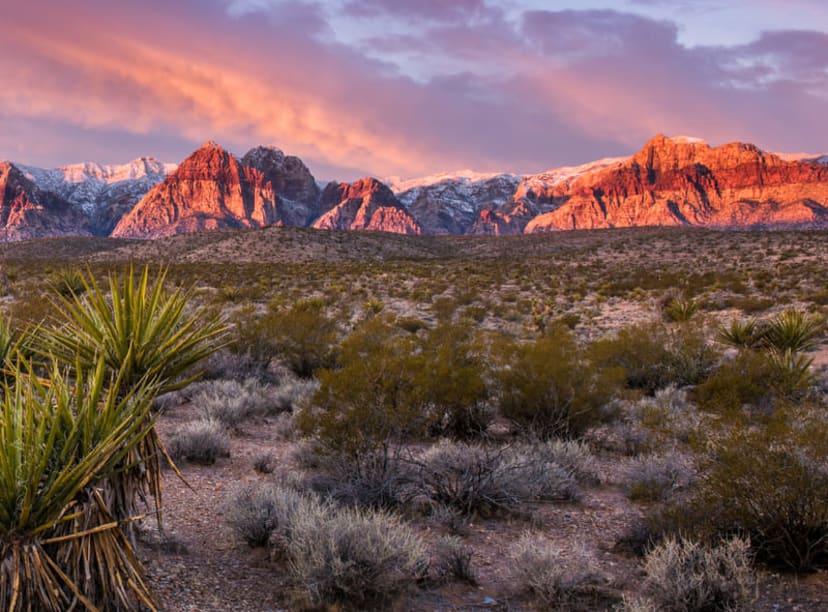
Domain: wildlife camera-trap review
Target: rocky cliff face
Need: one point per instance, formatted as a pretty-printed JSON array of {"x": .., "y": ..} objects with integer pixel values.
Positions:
[
  {"x": 212, "y": 189},
  {"x": 670, "y": 181},
  {"x": 26, "y": 211},
  {"x": 105, "y": 193},
  {"x": 366, "y": 204},
  {"x": 686, "y": 182}
]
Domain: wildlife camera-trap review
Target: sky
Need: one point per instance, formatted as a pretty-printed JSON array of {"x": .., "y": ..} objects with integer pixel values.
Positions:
[{"x": 408, "y": 87}]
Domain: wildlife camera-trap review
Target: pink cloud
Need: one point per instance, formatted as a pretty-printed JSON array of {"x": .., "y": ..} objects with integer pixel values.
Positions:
[{"x": 555, "y": 88}]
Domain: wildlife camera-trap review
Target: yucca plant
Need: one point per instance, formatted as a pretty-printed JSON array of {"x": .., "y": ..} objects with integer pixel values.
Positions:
[
  {"x": 680, "y": 310},
  {"x": 67, "y": 281},
  {"x": 60, "y": 546},
  {"x": 794, "y": 331},
  {"x": 742, "y": 334},
  {"x": 139, "y": 328},
  {"x": 141, "y": 332}
]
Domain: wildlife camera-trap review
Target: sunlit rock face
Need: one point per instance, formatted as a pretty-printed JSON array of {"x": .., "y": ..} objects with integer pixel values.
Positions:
[
  {"x": 681, "y": 181},
  {"x": 366, "y": 204},
  {"x": 212, "y": 189}
]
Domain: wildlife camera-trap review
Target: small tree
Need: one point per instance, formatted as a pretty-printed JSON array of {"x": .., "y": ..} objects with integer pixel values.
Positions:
[
  {"x": 451, "y": 378},
  {"x": 547, "y": 387},
  {"x": 372, "y": 400}
]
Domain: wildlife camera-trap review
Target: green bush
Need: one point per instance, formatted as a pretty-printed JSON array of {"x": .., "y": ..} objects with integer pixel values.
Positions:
[
  {"x": 372, "y": 399},
  {"x": 653, "y": 357},
  {"x": 303, "y": 337},
  {"x": 770, "y": 485},
  {"x": 547, "y": 388},
  {"x": 451, "y": 378},
  {"x": 754, "y": 379}
]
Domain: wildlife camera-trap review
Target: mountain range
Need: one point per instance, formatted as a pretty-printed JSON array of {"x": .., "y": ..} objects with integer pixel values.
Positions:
[{"x": 669, "y": 182}]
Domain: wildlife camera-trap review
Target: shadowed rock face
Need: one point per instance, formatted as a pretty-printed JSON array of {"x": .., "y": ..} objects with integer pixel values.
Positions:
[
  {"x": 212, "y": 189},
  {"x": 28, "y": 212},
  {"x": 679, "y": 182},
  {"x": 366, "y": 204}
]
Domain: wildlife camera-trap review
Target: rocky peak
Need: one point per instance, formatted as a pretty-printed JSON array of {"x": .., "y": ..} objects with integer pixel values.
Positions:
[
  {"x": 28, "y": 212},
  {"x": 365, "y": 204},
  {"x": 687, "y": 182},
  {"x": 661, "y": 154},
  {"x": 290, "y": 179}
]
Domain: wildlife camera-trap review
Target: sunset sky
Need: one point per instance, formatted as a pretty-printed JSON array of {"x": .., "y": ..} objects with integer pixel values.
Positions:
[{"x": 408, "y": 87}]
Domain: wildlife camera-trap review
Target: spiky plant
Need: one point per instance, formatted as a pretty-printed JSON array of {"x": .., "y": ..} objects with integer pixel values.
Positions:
[
  {"x": 794, "y": 331},
  {"x": 142, "y": 332},
  {"x": 680, "y": 310},
  {"x": 67, "y": 281},
  {"x": 139, "y": 328},
  {"x": 742, "y": 334},
  {"x": 60, "y": 547}
]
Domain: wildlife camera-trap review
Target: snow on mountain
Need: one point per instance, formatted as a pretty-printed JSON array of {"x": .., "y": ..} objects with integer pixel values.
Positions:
[
  {"x": 803, "y": 157},
  {"x": 449, "y": 203},
  {"x": 91, "y": 185},
  {"x": 680, "y": 139},
  {"x": 536, "y": 187},
  {"x": 460, "y": 177}
]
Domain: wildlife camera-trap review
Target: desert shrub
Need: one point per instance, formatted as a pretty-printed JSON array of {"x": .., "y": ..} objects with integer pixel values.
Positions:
[
  {"x": 410, "y": 324},
  {"x": 770, "y": 485},
  {"x": 372, "y": 400},
  {"x": 755, "y": 379},
  {"x": 256, "y": 510},
  {"x": 546, "y": 387},
  {"x": 228, "y": 364},
  {"x": 574, "y": 456},
  {"x": 450, "y": 377},
  {"x": 478, "y": 480},
  {"x": 201, "y": 441},
  {"x": 653, "y": 357},
  {"x": 264, "y": 463},
  {"x": 557, "y": 579},
  {"x": 230, "y": 401},
  {"x": 657, "y": 477},
  {"x": 452, "y": 560},
  {"x": 354, "y": 557},
  {"x": 685, "y": 576},
  {"x": 373, "y": 480},
  {"x": 290, "y": 393},
  {"x": 667, "y": 417},
  {"x": 302, "y": 336}
]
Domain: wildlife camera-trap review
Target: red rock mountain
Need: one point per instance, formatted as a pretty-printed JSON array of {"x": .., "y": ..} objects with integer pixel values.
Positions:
[
  {"x": 366, "y": 204},
  {"x": 26, "y": 211},
  {"x": 671, "y": 181},
  {"x": 213, "y": 189},
  {"x": 683, "y": 181}
]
